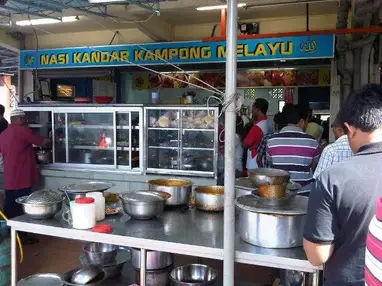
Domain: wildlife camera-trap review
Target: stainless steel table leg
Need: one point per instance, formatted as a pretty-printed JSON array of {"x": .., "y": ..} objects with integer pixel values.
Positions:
[
  {"x": 13, "y": 257},
  {"x": 316, "y": 278},
  {"x": 143, "y": 267}
]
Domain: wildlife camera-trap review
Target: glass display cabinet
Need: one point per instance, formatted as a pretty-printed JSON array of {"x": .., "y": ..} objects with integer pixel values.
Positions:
[
  {"x": 91, "y": 136},
  {"x": 181, "y": 140}
]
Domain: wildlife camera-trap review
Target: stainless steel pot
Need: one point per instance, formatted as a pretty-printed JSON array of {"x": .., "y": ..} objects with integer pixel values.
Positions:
[
  {"x": 271, "y": 230},
  {"x": 143, "y": 204},
  {"x": 209, "y": 198},
  {"x": 154, "y": 259},
  {"x": 267, "y": 176},
  {"x": 40, "y": 210},
  {"x": 180, "y": 190},
  {"x": 43, "y": 157},
  {"x": 155, "y": 277}
]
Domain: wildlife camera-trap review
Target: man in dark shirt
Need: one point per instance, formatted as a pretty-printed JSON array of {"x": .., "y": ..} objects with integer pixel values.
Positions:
[
  {"x": 3, "y": 121},
  {"x": 342, "y": 201}
]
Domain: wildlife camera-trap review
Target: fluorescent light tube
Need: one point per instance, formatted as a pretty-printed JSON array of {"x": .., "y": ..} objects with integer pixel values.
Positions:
[
  {"x": 218, "y": 7},
  {"x": 45, "y": 21}
]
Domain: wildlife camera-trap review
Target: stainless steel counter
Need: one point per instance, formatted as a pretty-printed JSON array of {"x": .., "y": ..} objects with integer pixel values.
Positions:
[{"x": 193, "y": 233}]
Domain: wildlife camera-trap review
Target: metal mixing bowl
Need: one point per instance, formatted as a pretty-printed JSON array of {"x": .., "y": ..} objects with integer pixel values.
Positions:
[
  {"x": 266, "y": 176},
  {"x": 100, "y": 253},
  {"x": 67, "y": 278},
  {"x": 193, "y": 275},
  {"x": 40, "y": 210}
]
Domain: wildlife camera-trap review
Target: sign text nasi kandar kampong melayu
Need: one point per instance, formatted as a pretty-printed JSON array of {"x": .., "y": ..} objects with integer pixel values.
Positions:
[{"x": 321, "y": 46}]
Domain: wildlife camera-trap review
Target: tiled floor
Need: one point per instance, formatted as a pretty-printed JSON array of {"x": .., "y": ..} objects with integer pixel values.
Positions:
[{"x": 55, "y": 255}]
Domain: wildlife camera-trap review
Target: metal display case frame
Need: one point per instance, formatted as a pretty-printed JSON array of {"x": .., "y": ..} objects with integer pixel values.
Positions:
[
  {"x": 94, "y": 109},
  {"x": 180, "y": 148}
]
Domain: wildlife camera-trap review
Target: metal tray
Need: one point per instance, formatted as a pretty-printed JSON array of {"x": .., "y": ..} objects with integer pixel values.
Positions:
[
  {"x": 87, "y": 187},
  {"x": 48, "y": 279}
]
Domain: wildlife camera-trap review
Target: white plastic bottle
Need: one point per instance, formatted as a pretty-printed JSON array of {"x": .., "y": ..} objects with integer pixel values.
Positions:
[
  {"x": 83, "y": 212},
  {"x": 100, "y": 204}
]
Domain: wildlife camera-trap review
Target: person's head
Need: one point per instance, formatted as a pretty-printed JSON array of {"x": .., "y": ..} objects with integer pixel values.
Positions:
[
  {"x": 296, "y": 116},
  {"x": 337, "y": 128},
  {"x": 18, "y": 117},
  {"x": 2, "y": 111},
  {"x": 259, "y": 108},
  {"x": 278, "y": 121},
  {"x": 361, "y": 116}
]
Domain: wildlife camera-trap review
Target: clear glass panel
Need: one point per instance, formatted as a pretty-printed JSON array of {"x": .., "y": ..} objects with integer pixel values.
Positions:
[
  {"x": 91, "y": 138},
  {"x": 40, "y": 122},
  {"x": 135, "y": 140},
  {"x": 163, "y": 158},
  {"x": 198, "y": 160},
  {"x": 59, "y": 138},
  {"x": 198, "y": 139},
  {"x": 123, "y": 139},
  {"x": 163, "y": 118},
  {"x": 198, "y": 119}
]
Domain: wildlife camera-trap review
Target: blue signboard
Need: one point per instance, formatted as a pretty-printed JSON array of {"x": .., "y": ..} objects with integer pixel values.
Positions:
[{"x": 302, "y": 47}]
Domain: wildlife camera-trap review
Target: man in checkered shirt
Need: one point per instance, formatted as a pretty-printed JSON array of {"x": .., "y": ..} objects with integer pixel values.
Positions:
[{"x": 335, "y": 152}]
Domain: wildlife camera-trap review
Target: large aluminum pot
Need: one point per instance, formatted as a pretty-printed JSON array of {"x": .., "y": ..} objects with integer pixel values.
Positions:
[
  {"x": 154, "y": 259},
  {"x": 267, "y": 176},
  {"x": 180, "y": 190},
  {"x": 209, "y": 198},
  {"x": 271, "y": 230},
  {"x": 155, "y": 277}
]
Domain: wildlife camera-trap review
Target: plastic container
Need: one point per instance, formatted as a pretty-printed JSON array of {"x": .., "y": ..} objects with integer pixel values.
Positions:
[
  {"x": 100, "y": 204},
  {"x": 83, "y": 213}
]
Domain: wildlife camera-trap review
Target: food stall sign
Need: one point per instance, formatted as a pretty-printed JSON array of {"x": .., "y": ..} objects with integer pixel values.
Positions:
[{"x": 286, "y": 48}]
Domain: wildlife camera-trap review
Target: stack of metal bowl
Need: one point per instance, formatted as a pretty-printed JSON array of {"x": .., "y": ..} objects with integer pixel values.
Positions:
[
  {"x": 158, "y": 266},
  {"x": 43, "y": 204},
  {"x": 87, "y": 275},
  {"x": 110, "y": 258}
]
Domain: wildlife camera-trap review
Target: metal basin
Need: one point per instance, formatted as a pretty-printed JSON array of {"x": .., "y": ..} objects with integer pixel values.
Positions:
[
  {"x": 144, "y": 204},
  {"x": 154, "y": 259},
  {"x": 180, "y": 190},
  {"x": 40, "y": 210},
  {"x": 264, "y": 229},
  {"x": 100, "y": 253},
  {"x": 48, "y": 279},
  {"x": 193, "y": 275},
  {"x": 209, "y": 198},
  {"x": 266, "y": 176},
  {"x": 67, "y": 278}
]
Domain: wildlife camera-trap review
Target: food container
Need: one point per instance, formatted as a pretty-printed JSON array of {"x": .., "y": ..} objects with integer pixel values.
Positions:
[
  {"x": 193, "y": 275},
  {"x": 155, "y": 277},
  {"x": 100, "y": 253},
  {"x": 144, "y": 204},
  {"x": 154, "y": 259},
  {"x": 272, "y": 227},
  {"x": 43, "y": 157},
  {"x": 48, "y": 279},
  {"x": 180, "y": 190},
  {"x": 82, "y": 213},
  {"x": 209, "y": 198},
  {"x": 267, "y": 176},
  {"x": 41, "y": 204},
  {"x": 100, "y": 204},
  {"x": 272, "y": 191}
]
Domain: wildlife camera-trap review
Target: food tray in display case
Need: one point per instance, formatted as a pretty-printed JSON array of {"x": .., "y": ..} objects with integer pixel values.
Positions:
[
  {"x": 91, "y": 136},
  {"x": 181, "y": 140}
]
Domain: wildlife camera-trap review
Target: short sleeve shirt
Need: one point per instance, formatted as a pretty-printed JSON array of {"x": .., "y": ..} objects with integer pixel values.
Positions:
[
  {"x": 341, "y": 206},
  {"x": 19, "y": 162},
  {"x": 254, "y": 137}
]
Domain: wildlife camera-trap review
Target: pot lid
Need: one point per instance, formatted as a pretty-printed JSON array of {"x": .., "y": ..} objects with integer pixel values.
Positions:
[
  {"x": 44, "y": 197},
  {"x": 84, "y": 201},
  {"x": 87, "y": 187},
  {"x": 297, "y": 206},
  {"x": 142, "y": 196}
]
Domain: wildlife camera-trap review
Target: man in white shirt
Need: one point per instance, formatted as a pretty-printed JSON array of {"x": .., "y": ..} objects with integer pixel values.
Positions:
[{"x": 335, "y": 152}]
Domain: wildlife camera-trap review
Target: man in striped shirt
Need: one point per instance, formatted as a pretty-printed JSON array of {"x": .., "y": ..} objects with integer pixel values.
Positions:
[{"x": 292, "y": 149}]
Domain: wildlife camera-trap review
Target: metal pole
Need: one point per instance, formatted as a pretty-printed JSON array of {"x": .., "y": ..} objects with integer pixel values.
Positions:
[
  {"x": 143, "y": 267},
  {"x": 13, "y": 257},
  {"x": 229, "y": 147}
]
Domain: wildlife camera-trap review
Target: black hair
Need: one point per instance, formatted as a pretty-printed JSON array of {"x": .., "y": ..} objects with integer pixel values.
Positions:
[
  {"x": 279, "y": 120},
  {"x": 363, "y": 108},
  {"x": 295, "y": 114},
  {"x": 240, "y": 127},
  {"x": 2, "y": 110},
  {"x": 261, "y": 104}
]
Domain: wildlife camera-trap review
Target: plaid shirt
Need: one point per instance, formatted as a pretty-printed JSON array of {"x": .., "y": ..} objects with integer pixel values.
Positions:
[
  {"x": 262, "y": 149},
  {"x": 333, "y": 153}
]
